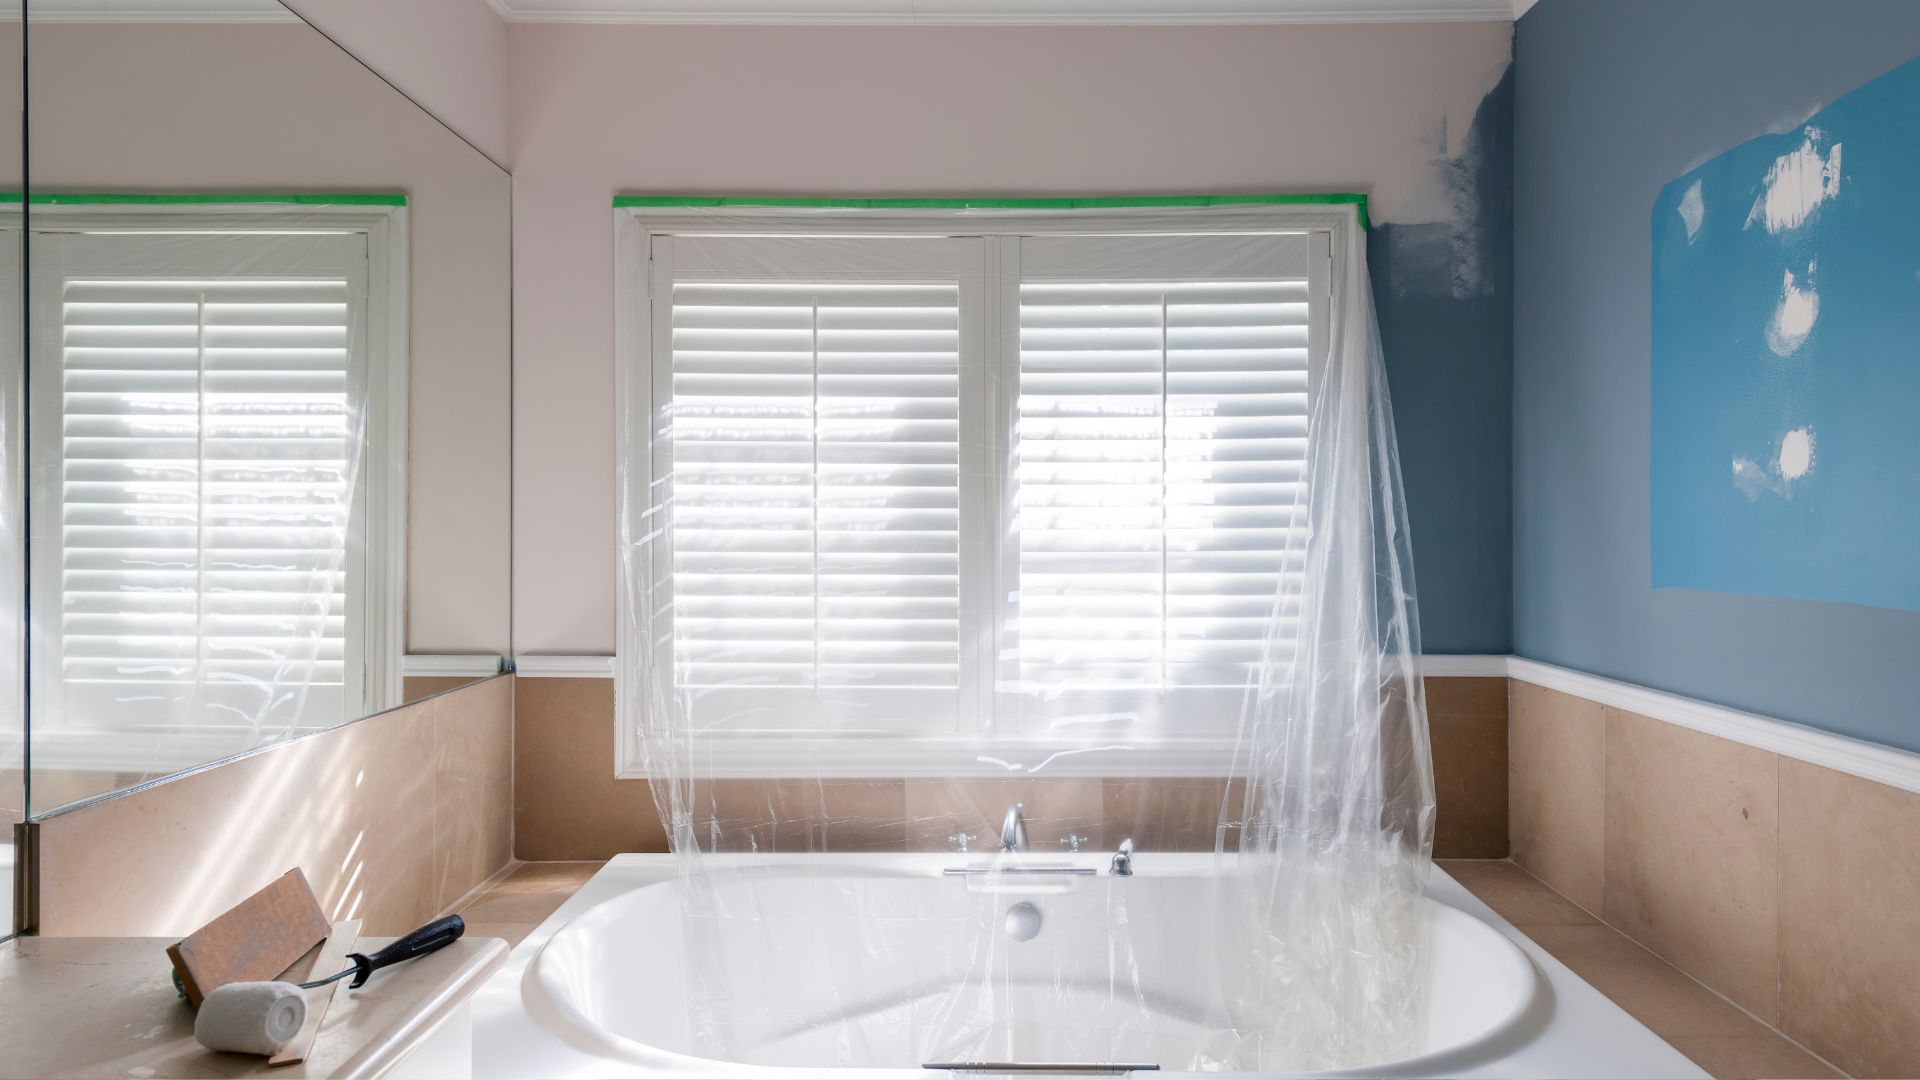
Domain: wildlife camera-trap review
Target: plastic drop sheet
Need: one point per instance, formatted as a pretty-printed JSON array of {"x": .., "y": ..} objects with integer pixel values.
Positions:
[
  {"x": 961, "y": 546},
  {"x": 204, "y": 382}
]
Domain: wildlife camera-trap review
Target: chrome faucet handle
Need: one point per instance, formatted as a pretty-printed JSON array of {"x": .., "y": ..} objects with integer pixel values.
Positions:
[
  {"x": 960, "y": 841},
  {"x": 1013, "y": 829},
  {"x": 1123, "y": 859},
  {"x": 1073, "y": 842}
]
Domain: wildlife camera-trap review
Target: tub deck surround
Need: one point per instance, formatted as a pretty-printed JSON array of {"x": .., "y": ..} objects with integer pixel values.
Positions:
[
  {"x": 1579, "y": 1028},
  {"x": 105, "y": 1007},
  {"x": 568, "y": 804},
  {"x": 521, "y": 899},
  {"x": 1718, "y": 1035}
]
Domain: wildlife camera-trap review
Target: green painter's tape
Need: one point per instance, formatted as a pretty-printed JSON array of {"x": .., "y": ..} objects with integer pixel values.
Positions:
[
  {"x": 116, "y": 198},
  {"x": 1136, "y": 201}
]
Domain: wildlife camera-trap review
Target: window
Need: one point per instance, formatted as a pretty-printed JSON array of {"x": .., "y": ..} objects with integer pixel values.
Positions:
[
  {"x": 212, "y": 548},
  {"x": 960, "y": 490}
]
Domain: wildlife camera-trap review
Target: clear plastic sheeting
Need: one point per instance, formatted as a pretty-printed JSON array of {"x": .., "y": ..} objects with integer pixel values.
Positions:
[
  {"x": 207, "y": 388},
  {"x": 1023, "y": 505}
]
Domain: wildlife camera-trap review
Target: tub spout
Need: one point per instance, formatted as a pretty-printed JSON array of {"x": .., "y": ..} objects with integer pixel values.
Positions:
[{"x": 1013, "y": 830}]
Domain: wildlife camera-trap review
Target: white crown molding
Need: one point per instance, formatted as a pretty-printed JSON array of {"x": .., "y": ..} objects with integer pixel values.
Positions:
[
  {"x": 1001, "y": 12},
  {"x": 1869, "y": 761},
  {"x": 563, "y": 667},
  {"x": 451, "y": 665},
  {"x": 154, "y": 11}
]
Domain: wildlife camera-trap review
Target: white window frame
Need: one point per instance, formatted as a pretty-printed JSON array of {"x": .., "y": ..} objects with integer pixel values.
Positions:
[
  {"x": 981, "y": 752},
  {"x": 382, "y": 472}
]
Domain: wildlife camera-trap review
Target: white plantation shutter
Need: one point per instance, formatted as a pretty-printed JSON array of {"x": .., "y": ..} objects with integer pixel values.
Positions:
[
  {"x": 886, "y": 519},
  {"x": 202, "y": 476},
  {"x": 1158, "y": 453},
  {"x": 812, "y": 404}
]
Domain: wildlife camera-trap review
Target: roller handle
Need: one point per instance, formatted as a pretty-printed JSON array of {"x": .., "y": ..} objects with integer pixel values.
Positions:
[{"x": 435, "y": 935}]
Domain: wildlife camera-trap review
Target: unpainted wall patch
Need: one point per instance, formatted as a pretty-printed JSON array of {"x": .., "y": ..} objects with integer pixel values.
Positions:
[
  {"x": 1793, "y": 461},
  {"x": 1693, "y": 211},
  {"x": 1794, "y": 315},
  {"x": 1799, "y": 181}
]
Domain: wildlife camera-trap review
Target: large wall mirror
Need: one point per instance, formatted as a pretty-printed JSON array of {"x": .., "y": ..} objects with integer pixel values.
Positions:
[
  {"x": 13, "y": 730},
  {"x": 266, "y": 369}
]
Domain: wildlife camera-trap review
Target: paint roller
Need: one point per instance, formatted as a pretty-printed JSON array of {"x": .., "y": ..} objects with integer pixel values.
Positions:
[{"x": 262, "y": 1017}]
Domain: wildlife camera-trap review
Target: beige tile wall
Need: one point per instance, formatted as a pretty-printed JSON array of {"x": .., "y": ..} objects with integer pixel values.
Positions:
[
  {"x": 1849, "y": 909},
  {"x": 415, "y": 687},
  {"x": 1791, "y": 889},
  {"x": 1467, "y": 724},
  {"x": 568, "y": 805},
  {"x": 392, "y": 818},
  {"x": 1557, "y": 787},
  {"x": 566, "y": 802}
]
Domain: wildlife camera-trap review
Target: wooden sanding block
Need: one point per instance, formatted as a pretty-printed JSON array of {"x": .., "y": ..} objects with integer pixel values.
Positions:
[{"x": 258, "y": 939}]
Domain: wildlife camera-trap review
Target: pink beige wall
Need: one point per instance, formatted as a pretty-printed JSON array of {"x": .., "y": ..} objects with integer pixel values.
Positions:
[
  {"x": 569, "y": 805},
  {"x": 392, "y": 819},
  {"x": 450, "y": 56},
  {"x": 600, "y": 110},
  {"x": 1788, "y": 888},
  {"x": 278, "y": 107}
]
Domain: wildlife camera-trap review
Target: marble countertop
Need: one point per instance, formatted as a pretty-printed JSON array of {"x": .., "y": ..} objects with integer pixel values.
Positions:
[{"x": 106, "y": 1007}]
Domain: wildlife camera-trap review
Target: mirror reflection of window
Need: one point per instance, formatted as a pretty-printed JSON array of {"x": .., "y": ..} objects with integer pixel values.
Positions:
[{"x": 213, "y": 538}]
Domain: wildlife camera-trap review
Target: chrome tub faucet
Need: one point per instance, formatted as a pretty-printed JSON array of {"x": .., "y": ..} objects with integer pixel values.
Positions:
[{"x": 1013, "y": 830}]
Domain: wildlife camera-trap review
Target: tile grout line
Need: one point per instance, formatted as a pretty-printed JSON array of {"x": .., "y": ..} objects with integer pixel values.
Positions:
[
  {"x": 1783, "y": 1036},
  {"x": 474, "y": 894},
  {"x": 513, "y": 760},
  {"x": 1779, "y": 872},
  {"x": 1606, "y": 802},
  {"x": 437, "y": 863}
]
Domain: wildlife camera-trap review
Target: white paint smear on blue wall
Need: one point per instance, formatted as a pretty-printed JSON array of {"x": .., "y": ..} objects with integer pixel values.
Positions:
[{"x": 1786, "y": 360}]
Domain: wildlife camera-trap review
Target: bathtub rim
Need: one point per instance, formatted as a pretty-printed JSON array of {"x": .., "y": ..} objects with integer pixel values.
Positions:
[
  {"x": 1512, "y": 965},
  {"x": 1581, "y": 1032}
]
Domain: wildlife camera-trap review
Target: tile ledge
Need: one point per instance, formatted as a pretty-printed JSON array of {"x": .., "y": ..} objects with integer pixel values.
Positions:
[{"x": 384, "y": 1053}]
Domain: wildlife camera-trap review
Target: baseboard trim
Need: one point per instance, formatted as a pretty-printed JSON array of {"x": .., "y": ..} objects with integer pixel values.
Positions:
[
  {"x": 1452, "y": 666},
  {"x": 542, "y": 666},
  {"x": 563, "y": 667},
  {"x": 450, "y": 665},
  {"x": 1869, "y": 761}
]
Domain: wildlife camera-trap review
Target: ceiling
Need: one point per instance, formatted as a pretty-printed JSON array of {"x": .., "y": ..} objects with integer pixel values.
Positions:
[{"x": 1006, "y": 12}]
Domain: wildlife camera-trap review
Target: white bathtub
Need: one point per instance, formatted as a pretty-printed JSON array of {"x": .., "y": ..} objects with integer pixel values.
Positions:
[{"x": 598, "y": 990}]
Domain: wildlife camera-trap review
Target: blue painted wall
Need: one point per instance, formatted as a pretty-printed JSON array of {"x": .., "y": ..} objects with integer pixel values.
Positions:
[
  {"x": 1613, "y": 101},
  {"x": 1444, "y": 297}
]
